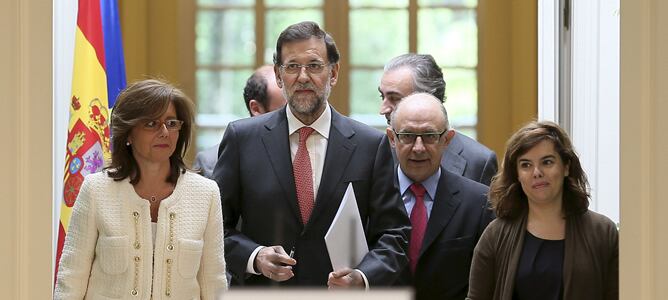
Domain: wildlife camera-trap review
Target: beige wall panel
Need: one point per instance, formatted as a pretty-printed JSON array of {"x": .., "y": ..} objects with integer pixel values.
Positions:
[
  {"x": 643, "y": 148},
  {"x": 26, "y": 118},
  {"x": 660, "y": 154},
  {"x": 507, "y": 69},
  {"x": 9, "y": 84},
  {"x": 524, "y": 62},
  {"x": 134, "y": 20}
]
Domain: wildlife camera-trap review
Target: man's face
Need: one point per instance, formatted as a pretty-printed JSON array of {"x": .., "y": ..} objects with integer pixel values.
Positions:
[
  {"x": 305, "y": 91},
  {"x": 419, "y": 159},
  {"x": 394, "y": 85}
]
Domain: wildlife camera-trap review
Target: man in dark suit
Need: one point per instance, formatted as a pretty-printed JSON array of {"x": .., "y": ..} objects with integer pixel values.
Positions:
[
  {"x": 448, "y": 212},
  {"x": 285, "y": 173},
  {"x": 415, "y": 73},
  {"x": 261, "y": 95}
]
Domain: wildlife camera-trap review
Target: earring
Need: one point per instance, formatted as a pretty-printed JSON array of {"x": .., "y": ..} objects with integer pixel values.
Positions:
[{"x": 127, "y": 143}]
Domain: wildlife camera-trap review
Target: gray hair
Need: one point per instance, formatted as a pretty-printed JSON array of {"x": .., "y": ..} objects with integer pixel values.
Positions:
[
  {"x": 421, "y": 95},
  {"x": 427, "y": 75}
]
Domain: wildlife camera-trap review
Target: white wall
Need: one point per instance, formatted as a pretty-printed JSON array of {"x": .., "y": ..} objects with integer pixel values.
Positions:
[
  {"x": 595, "y": 94},
  {"x": 594, "y": 118}
]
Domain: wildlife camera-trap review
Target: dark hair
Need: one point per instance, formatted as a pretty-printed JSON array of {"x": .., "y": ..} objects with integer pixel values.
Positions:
[
  {"x": 256, "y": 89},
  {"x": 427, "y": 75},
  {"x": 304, "y": 31},
  {"x": 139, "y": 102},
  {"x": 506, "y": 194}
]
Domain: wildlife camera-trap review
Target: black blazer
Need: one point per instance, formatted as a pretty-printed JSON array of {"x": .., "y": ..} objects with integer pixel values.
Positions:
[
  {"x": 254, "y": 173},
  {"x": 469, "y": 158},
  {"x": 458, "y": 218}
]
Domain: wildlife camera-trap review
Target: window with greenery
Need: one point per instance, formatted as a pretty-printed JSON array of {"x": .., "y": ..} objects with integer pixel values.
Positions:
[{"x": 233, "y": 37}]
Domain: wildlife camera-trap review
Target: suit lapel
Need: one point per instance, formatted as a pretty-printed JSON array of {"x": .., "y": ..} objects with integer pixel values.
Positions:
[
  {"x": 277, "y": 144},
  {"x": 339, "y": 151},
  {"x": 452, "y": 159},
  {"x": 445, "y": 206}
]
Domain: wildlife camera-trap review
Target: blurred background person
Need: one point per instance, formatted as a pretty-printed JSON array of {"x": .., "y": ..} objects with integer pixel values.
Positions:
[
  {"x": 411, "y": 73},
  {"x": 146, "y": 227},
  {"x": 261, "y": 95},
  {"x": 545, "y": 244},
  {"x": 448, "y": 212}
]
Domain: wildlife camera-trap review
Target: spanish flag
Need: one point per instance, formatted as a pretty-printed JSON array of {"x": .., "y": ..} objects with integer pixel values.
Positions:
[{"x": 98, "y": 76}]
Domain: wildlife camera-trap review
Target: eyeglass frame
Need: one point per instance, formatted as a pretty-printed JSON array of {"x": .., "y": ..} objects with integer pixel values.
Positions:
[
  {"x": 305, "y": 67},
  {"x": 160, "y": 124},
  {"x": 403, "y": 135}
]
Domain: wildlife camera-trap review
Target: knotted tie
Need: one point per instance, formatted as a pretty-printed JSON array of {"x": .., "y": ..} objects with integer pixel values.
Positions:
[
  {"x": 419, "y": 223},
  {"x": 303, "y": 173}
]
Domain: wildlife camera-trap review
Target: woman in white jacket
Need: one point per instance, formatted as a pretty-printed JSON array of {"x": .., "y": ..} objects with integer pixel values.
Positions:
[{"x": 146, "y": 227}]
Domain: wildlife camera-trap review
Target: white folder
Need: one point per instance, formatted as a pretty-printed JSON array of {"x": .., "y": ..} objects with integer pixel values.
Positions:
[{"x": 345, "y": 239}]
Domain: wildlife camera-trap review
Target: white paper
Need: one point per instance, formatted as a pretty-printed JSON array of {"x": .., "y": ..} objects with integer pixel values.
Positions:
[{"x": 345, "y": 239}]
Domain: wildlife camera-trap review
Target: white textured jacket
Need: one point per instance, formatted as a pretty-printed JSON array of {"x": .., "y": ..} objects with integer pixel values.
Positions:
[{"x": 108, "y": 251}]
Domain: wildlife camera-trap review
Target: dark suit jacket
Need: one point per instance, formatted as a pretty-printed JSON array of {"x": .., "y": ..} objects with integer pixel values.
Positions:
[
  {"x": 205, "y": 160},
  {"x": 466, "y": 157},
  {"x": 458, "y": 218},
  {"x": 255, "y": 177}
]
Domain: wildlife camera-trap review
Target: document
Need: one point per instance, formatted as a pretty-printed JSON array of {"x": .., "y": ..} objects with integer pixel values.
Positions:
[{"x": 345, "y": 239}]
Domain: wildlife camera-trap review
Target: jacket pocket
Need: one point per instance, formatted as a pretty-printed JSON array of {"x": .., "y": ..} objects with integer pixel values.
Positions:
[
  {"x": 190, "y": 254},
  {"x": 113, "y": 254}
]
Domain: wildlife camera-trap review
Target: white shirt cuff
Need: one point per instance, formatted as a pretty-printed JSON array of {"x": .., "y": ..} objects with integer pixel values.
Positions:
[
  {"x": 251, "y": 259},
  {"x": 366, "y": 281}
]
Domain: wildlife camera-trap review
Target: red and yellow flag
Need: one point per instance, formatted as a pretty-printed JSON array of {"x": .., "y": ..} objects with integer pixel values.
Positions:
[{"x": 98, "y": 74}]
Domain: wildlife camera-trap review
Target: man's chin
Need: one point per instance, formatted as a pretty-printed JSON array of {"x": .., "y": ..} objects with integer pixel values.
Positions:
[{"x": 304, "y": 106}]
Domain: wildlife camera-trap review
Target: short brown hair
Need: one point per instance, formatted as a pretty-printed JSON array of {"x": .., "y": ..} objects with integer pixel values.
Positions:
[
  {"x": 305, "y": 31},
  {"x": 142, "y": 101},
  {"x": 506, "y": 194}
]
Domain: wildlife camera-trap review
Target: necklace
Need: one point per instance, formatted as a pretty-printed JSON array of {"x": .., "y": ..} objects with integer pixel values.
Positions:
[{"x": 153, "y": 200}]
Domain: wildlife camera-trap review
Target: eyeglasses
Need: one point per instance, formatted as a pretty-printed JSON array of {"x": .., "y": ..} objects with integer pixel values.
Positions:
[
  {"x": 409, "y": 138},
  {"x": 312, "y": 68},
  {"x": 171, "y": 125}
]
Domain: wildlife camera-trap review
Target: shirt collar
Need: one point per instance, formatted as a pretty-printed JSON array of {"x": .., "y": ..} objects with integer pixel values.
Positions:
[
  {"x": 430, "y": 184},
  {"x": 321, "y": 125}
]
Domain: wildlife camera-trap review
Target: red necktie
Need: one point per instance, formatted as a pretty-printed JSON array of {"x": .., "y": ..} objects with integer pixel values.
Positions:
[
  {"x": 301, "y": 168},
  {"x": 419, "y": 222}
]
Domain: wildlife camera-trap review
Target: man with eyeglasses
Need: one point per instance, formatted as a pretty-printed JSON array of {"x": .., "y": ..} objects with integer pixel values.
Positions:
[
  {"x": 261, "y": 95},
  {"x": 411, "y": 73},
  {"x": 284, "y": 174},
  {"x": 448, "y": 212}
]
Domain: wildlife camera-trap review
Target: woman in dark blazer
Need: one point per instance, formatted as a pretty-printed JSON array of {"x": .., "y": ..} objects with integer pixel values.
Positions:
[{"x": 545, "y": 243}]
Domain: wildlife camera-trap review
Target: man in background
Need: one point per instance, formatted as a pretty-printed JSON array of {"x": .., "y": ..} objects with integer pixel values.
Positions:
[
  {"x": 411, "y": 73},
  {"x": 261, "y": 95}
]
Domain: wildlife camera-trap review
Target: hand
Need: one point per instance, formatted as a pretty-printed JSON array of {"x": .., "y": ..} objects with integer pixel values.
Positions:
[
  {"x": 274, "y": 263},
  {"x": 345, "y": 278}
]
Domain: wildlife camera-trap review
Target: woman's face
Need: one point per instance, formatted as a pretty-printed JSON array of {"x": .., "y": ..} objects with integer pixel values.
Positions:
[
  {"x": 154, "y": 141},
  {"x": 541, "y": 173}
]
